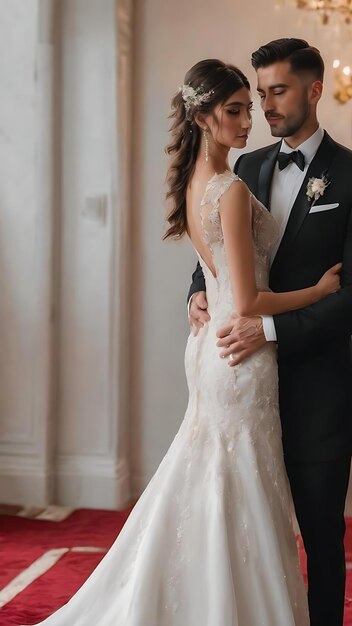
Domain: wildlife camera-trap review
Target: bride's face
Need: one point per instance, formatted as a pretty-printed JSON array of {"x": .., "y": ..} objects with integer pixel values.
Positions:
[{"x": 231, "y": 121}]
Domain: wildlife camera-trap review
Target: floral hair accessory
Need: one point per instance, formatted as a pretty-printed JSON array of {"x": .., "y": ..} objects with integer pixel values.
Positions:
[
  {"x": 316, "y": 187},
  {"x": 194, "y": 97}
]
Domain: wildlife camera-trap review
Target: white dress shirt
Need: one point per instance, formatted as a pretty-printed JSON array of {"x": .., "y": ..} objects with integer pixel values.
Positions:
[{"x": 284, "y": 189}]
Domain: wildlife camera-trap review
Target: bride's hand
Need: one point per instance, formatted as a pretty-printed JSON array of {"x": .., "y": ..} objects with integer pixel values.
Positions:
[{"x": 330, "y": 282}]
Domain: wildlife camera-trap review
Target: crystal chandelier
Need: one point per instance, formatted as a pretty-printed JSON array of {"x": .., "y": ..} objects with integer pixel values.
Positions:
[
  {"x": 328, "y": 8},
  {"x": 343, "y": 82},
  {"x": 342, "y": 11}
]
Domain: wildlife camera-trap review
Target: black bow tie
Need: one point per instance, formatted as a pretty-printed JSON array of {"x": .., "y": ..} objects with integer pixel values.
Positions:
[{"x": 284, "y": 158}]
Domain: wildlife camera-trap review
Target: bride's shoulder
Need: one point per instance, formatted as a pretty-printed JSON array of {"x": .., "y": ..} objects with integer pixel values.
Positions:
[
  {"x": 236, "y": 194},
  {"x": 221, "y": 178},
  {"x": 221, "y": 184}
]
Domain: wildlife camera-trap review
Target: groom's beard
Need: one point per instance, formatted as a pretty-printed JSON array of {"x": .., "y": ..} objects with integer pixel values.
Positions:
[{"x": 291, "y": 124}]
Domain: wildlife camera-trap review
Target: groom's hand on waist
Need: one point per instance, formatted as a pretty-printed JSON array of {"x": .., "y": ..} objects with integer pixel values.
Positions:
[
  {"x": 198, "y": 311},
  {"x": 240, "y": 338}
]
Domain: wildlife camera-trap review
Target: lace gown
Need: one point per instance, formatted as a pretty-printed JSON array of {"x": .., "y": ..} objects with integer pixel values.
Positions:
[{"x": 210, "y": 542}]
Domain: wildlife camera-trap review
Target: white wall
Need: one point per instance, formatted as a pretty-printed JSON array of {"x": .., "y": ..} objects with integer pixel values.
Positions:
[
  {"x": 91, "y": 463},
  {"x": 62, "y": 270},
  {"x": 25, "y": 253}
]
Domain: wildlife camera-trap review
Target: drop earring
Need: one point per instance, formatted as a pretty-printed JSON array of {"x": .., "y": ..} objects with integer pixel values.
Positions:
[{"x": 206, "y": 139}]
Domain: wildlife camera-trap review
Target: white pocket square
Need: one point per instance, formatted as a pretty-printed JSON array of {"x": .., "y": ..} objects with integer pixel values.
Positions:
[{"x": 316, "y": 208}]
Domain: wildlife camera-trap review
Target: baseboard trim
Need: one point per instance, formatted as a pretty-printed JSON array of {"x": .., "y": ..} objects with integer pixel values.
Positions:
[
  {"x": 92, "y": 481},
  {"x": 25, "y": 481}
]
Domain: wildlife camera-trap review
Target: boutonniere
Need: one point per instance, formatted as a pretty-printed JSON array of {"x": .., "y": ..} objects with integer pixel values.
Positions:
[{"x": 316, "y": 187}]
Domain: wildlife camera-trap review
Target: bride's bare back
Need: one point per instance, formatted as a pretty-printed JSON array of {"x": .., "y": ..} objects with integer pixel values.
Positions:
[{"x": 194, "y": 198}]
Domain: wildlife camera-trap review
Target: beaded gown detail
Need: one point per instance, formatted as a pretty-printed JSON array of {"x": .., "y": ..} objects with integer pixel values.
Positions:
[{"x": 210, "y": 542}]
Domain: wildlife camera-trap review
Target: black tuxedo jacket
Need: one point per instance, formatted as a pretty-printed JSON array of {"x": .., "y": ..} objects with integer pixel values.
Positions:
[{"x": 314, "y": 345}]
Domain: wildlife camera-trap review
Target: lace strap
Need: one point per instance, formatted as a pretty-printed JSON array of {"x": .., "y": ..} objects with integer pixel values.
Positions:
[
  {"x": 216, "y": 187},
  {"x": 209, "y": 208}
]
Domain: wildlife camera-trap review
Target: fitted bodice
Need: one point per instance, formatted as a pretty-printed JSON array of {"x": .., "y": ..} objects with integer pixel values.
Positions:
[{"x": 265, "y": 234}]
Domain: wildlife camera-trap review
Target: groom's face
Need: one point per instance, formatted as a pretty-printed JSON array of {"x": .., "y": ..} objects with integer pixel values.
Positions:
[{"x": 284, "y": 98}]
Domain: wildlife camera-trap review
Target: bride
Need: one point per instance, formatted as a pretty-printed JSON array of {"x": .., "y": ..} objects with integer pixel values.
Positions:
[{"x": 210, "y": 542}]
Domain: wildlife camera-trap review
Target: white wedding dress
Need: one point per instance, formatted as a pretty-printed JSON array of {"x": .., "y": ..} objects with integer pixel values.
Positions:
[{"x": 210, "y": 542}]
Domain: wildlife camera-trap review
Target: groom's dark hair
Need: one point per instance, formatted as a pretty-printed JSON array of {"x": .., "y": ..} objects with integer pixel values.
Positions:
[{"x": 302, "y": 57}]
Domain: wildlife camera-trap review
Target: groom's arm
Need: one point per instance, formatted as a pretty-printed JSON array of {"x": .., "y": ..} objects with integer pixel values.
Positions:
[
  {"x": 198, "y": 282},
  {"x": 198, "y": 306},
  {"x": 297, "y": 331},
  {"x": 326, "y": 321}
]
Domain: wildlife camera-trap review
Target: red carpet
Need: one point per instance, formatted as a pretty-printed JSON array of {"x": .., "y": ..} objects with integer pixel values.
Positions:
[{"x": 24, "y": 541}]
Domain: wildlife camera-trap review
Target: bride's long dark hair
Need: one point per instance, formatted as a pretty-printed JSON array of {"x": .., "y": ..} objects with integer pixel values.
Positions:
[{"x": 222, "y": 80}]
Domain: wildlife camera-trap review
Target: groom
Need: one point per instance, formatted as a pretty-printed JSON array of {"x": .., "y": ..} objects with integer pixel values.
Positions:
[{"x": 314, "y": 347}]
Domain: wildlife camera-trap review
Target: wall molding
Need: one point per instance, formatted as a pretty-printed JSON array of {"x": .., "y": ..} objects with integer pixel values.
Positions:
[
  {"x": 18, "y": 443},
  {"x": 25, "y": 480},
  {"x": 92, "y": 481}
]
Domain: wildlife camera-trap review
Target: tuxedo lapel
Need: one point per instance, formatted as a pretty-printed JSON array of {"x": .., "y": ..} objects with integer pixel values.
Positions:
[
  {"x": 265, "y": 175},
  {"x": 318, "y": 167}
]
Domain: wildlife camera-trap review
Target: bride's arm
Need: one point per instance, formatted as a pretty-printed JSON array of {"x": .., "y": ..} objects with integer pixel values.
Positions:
[{"x": 236, "y": 220}]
